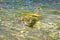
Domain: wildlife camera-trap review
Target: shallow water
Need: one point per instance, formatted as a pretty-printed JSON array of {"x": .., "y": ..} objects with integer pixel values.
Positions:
[{"x": 11, "y": 28}]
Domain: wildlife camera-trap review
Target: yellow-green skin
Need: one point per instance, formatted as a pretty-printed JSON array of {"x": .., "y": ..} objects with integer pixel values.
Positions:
[{"x": 31, "y": 19}]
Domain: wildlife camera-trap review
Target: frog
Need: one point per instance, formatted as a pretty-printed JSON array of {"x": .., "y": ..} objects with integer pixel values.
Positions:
[{"x": 31, "y": 19}]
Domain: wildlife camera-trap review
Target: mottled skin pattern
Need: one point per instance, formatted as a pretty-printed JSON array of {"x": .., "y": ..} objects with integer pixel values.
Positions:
[
  {"x": 32, "y": 23},
  {"x": 33, "y": 18}
]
